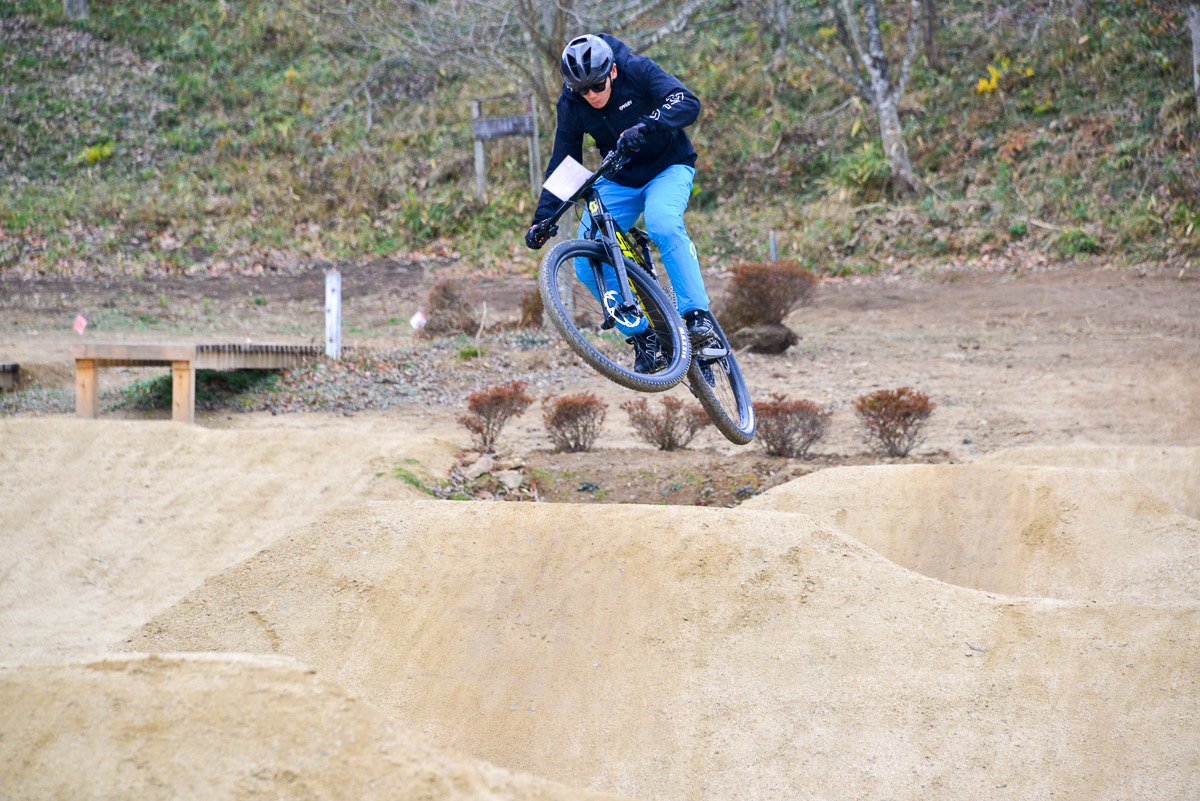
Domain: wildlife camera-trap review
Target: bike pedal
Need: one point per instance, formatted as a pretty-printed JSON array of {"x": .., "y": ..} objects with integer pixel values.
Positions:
[{"x": 713, "y": 352}]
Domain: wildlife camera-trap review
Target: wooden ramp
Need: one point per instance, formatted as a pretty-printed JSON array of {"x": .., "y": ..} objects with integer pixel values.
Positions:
[{"x": 184, "y": 360}]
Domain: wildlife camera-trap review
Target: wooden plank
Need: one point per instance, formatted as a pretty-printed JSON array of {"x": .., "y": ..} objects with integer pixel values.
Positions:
[
  {"x": 260, "y": 357},
  {"x": 183, "y": 392},
  {"x": 86, "y": 395},
  {"x": 139, "y": 352},
  {"x": 498, "y": 127},
  {"x": 203, "y": 356}
]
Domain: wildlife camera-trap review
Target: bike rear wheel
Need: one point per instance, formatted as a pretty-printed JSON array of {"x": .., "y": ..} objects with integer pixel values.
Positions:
[
  {"x": 721, "y": 390},
  {"x": 581, "y": 319}
]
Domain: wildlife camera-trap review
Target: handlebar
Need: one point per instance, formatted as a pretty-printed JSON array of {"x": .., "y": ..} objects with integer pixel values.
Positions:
[{"x": 617, "y": 158}]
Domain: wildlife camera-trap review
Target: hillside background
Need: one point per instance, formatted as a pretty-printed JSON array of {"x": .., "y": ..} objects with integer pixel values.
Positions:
[{"x": 204, "y": 138}]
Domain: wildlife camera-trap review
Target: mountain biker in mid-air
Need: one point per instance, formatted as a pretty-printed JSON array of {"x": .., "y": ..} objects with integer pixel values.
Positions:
[{"x": 616, "y": 96}]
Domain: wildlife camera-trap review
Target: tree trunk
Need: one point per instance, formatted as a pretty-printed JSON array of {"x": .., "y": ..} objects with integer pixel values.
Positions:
[
  {"x": 929, "y": 9},
  {"x": 892, "y": 134},
  {"x": 1194, "y": 29},
  {"x": 75, "y": 9}
]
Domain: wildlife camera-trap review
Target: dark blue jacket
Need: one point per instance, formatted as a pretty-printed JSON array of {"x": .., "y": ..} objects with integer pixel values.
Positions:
[{"x": 643, "y": 92}]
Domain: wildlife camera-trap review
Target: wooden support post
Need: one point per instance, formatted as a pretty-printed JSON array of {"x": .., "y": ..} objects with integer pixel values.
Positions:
[
  {"x": 86, "y": 394},
  {"x": 480, "y": 165},
  {"x": 535, "y": 152},
  {"x": 183, "y": 392}
]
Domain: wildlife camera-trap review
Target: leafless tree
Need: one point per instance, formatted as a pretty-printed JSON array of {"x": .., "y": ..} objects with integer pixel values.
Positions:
[
  {"x": 868, "y": 67},
  {"x": 517, "y": 41}
]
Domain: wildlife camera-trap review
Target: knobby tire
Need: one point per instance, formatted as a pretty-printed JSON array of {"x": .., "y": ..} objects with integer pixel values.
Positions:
[
  {"x": 558, "y": 266},
  {"x": 726, "y": 400}
]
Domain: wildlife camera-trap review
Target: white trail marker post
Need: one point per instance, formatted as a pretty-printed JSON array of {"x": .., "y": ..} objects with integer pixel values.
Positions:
[{"x": 333, "y": 314}]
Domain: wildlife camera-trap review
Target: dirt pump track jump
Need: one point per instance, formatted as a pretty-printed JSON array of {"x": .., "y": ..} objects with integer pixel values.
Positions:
[{"x": 652, "y": 652}]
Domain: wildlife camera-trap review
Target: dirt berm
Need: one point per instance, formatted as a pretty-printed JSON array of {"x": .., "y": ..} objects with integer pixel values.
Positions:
[
  {"x": 682, "y": 653},
  {"x": 103, "y": 523},
  {"x": 1172, "y": 472},
  {"x": 1069, "y": 533}
]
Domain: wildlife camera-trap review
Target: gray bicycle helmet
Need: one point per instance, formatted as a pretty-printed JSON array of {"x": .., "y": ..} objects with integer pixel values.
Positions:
[{"x": 585, "y": 61}]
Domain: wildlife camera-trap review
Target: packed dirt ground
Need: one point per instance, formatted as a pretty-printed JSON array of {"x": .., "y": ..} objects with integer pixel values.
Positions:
[
  {"x": 273, "y": 604},
  {"x": 1053, "y": 355}
]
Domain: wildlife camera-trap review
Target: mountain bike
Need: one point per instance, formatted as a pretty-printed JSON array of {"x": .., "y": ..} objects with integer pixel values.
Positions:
[{"x": 598, "y": 310}]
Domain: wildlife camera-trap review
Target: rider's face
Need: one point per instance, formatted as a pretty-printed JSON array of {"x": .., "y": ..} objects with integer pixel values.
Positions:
[{"x": 600, "y": 99}]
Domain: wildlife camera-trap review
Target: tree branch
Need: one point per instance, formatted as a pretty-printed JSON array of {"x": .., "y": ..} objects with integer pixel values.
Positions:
[
  {"x": 851, "y": 42},
  {"x": 912, "y": 37},
  {"x": 674, "y": 25},
  {"x": 372, "y": 75}
]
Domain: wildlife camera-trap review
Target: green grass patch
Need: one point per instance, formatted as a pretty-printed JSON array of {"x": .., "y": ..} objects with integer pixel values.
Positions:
[
  {"x": 410, "y": 478},
  {"x": 468, "y": 352},
  {"x": 214, "y": 388}
]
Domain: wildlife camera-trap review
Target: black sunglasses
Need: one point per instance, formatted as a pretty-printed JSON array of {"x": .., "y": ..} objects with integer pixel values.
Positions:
[{"x": 597, "y": 88}]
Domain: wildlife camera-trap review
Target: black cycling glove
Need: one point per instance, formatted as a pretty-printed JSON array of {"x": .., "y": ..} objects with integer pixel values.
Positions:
[
  {"x": 634, "y": 137},
  {"x": 537, "y": 235}
]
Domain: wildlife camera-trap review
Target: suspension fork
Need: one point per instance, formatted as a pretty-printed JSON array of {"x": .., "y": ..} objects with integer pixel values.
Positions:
[{"x": 605, "y": 223}]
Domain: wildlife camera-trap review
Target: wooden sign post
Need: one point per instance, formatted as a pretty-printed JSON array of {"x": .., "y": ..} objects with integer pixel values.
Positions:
[{"x": 499, "y": 127}]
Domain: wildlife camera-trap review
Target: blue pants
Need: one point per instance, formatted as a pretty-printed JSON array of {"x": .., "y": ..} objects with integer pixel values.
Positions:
[{"x": 663, "y": 201}]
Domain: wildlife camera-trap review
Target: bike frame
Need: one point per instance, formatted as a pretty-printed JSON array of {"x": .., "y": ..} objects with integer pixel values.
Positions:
[{"x": 604, "y": 229}]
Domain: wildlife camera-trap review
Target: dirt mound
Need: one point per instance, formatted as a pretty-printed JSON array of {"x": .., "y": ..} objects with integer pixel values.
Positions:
[
  {"x": 1073, "y": 534},
  {"x": 221, "y": 726},
  {"x": 105, "y": 522},
  {"x": 702, "y": 653},
  {"x": 1173, "y": 472}
]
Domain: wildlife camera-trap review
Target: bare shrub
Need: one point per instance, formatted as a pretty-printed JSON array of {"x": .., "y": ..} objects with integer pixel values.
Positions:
[
  {"x": 895, "y": 417},
  {"x": 573, "y": 421},
  {"x": 489, "y": 409},
  {"x": 669, "y": 430},
  {"x": 532, "y": 310},
  {"x": 447, "y": 310},
  {"x": 789, "y": 427},
  {"x": 766, "y": 293}
]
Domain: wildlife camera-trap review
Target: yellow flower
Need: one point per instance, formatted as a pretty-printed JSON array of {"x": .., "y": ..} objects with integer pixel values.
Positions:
[
  {"x": 825, "y": 33},
  {"x": 96, "y": 153},
  {"x": 984, "y": 86}
]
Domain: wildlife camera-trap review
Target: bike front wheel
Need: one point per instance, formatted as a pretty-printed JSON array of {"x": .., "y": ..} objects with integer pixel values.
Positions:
[
  {"x": 718, "y": 384},
  {"x": 589, "y": 330}
]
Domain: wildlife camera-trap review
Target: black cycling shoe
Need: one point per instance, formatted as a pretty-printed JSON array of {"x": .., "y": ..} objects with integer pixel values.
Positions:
[
  {"x": 647, "y": 358},
  {"x": 700, "y": 326}
]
